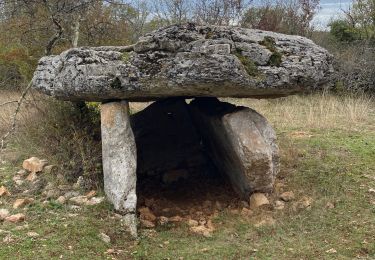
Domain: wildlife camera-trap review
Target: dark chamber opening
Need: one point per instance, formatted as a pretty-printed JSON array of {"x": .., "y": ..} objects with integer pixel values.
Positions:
[{"x": 175, "y": 175}]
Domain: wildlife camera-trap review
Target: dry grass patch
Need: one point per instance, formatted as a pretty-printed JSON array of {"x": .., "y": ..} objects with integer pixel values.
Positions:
[{"x": 317, "y": 111}]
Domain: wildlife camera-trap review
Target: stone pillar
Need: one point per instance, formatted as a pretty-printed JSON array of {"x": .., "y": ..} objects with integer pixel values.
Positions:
[
  {"x": 119, "y": 160},
  {"x": 240, "y": 142}
]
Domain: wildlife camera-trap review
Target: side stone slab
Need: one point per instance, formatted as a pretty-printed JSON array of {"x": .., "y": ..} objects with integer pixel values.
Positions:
[
  {"x": 240, "y": 142},
  {"x": 119, "y": 160}
]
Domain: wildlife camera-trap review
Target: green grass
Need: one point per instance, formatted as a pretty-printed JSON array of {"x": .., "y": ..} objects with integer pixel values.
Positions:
[{"x": 331, "y": 165}]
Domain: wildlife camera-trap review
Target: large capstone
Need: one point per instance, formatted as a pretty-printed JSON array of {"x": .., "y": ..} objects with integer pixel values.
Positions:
[
  {"x": 188, "y": 61},
  {"x": 240, "y": 142},
  {"x": 119, "y": 160}
]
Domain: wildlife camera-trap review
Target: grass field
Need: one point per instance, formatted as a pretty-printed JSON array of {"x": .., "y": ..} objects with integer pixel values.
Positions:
[{"x": 327, "y": 147}]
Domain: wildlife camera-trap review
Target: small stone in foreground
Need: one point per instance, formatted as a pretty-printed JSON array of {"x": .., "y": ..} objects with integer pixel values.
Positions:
[
  {"x": 257, "y": 200},
  {"x": 22, "y": 202},
  {"x": 4, "y": 191},
  {"x": 32, "y": 234},
  {"x": 16, "y": 218},
  {"x": 4, "y": 213},
  {"x": 279, "y": 205},
  {"x": 287, "y": 196},
  {"x": 79, "y": 200},
  {"x": 147, "y": 224},
  {"x": 34, "y": 164},
  {"x": 61, "y": 200},
  {"x": 105, "y": 238}
]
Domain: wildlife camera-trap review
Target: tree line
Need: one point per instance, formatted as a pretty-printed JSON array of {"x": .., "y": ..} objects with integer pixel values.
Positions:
[{"x": 30, "y": 29}]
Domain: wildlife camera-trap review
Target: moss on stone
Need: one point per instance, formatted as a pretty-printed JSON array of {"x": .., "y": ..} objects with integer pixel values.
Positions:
[
  {"x": 250, "y": 66},
  {"x": 126, "y": 57},
  {"x": 269, "y": 43}
]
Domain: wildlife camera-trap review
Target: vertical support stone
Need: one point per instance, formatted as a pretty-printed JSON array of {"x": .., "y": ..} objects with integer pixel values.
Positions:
[{"x": 119, "y": 160}]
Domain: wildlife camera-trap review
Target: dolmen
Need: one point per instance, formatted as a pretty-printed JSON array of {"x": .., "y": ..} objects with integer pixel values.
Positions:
[{"x": 175, "y": 64}]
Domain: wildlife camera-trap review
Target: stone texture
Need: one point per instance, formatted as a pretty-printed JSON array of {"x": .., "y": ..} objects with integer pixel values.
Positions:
[
  {"x": 257, "y": 200},
  {"x": 19, "y": 203},
  {"x": 240, "y": 142},
  {"x": 188, "y": 60},
  {"x": 16, "y": 218},
  {"x": 4, "y": 191},
  {"x": 34, "y": 164},
  {"x": 119, "y": 160}
]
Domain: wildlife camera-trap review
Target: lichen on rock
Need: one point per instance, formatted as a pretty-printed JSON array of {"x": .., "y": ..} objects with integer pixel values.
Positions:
[{"x": 188, "y": 60}]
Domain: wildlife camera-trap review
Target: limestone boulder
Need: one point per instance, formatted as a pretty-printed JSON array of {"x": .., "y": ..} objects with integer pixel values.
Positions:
[
  {"x": 190, "y": 61},
  {"x": 240, "y": 142}
]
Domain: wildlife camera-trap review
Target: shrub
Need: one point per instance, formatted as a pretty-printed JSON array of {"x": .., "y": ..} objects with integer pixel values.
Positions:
[{"x": 68, "y": 135}]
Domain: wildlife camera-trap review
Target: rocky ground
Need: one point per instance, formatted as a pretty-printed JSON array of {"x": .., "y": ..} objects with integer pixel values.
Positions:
[{"x": 323, "y": 206}]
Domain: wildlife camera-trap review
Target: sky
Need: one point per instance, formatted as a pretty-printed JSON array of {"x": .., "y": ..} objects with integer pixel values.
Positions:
[{"x": 330, "y": 9}]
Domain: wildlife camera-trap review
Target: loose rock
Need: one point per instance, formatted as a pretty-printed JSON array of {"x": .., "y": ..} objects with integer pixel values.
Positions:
[
  {"x": 287, "y": 196},
  {"x": 19, "y": 203},
  {"x": 4, "y": 213},
  {"x": 4, "y": 191},
  {"x": 79, "y": 200},
  {"x": 34, "y": 164},
  {"x": 105, "y": 238},
  {"x": 16, "y": 218},
  {"x": 257, "y": 200}
]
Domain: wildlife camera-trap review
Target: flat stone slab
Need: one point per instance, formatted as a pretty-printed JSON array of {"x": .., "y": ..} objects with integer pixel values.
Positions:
[{"x": 188, "y": 61}]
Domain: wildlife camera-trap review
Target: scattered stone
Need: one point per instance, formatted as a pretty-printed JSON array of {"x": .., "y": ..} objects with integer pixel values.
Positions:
[
  {"x": 303, "y": 203},
  {"x": 257, "y": 200},
  {"x": 70, "y": 194},
  {"x": 75, "y": 207},
  {"x": 19, "y": 182},
  {"x": 61, "y": 200},
  {"x": 32, "y": 177},
  {"x": 279, "y": 205},
  {"x": 16, "y": 218},
  {"x": 50, "y": 169},
  {"x": 201, "y": 230},
  {"x": 19, "y": 203},
  {"x": 287, "y": 196},
  {"x": 91, "y": 194},
  {"x": 22, "y": 172},
  {"x": 105, "y": 238},
  {"x": 146, "y": 214},
  {"x": 4, "y": 191},
  {"x": 331, "y": 251},
  {"x": 4, "y": 213},
  {"x": 192, "y": 223},
  {"x": 246, "y": 212},
  {"x": 147, "y": 224},
  {"x": 163, "y": 220},
  {"x": 34, "y": 164},
  {"x": 94, "y": 201},
  {"x": 330, "y": 205},
  {"x": 79, "y": 200},
  {"x": 8, "y": 239},
  {"x": 176, "y": 219},
  {"x": 32, "y": 234},
  {"x": 371, "y": 190},
  {"x": 52, "y": 194}
]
